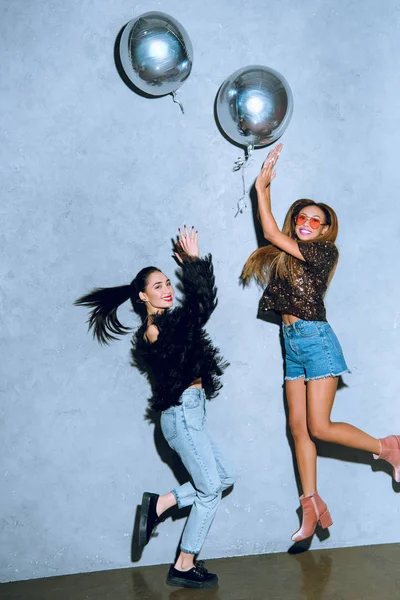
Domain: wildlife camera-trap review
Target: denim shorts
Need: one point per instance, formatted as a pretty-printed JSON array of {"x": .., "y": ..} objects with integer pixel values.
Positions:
[{"x": 312, "y": 351}]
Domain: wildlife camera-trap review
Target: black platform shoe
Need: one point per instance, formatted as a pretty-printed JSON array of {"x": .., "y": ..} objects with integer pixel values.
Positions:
[
  {"x": 148, "y": 517},
  {"x": 197, "y": 577}
]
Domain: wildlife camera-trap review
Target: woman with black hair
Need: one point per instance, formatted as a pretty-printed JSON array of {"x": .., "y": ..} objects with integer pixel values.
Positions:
[{"x": 183, "y": 367}]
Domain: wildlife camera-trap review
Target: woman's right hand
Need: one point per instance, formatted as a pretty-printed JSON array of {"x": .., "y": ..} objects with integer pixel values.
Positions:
[
  {"x": 187, "y": 244},
  {"x": 267, "y": 174}
]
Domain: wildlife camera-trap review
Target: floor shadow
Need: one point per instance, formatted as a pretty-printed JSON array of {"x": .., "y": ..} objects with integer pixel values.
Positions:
[
  {"x": 142, "y": 587},
  {"x": 187, "y": 594},
  {"x": 316, "y": 574}
]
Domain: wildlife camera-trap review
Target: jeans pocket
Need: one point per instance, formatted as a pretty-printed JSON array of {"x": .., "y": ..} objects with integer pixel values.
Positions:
[
  {"x": 194, "y": 414},
  {"x": 190, "y": 401},
  {"x": 168, "y": 424}
]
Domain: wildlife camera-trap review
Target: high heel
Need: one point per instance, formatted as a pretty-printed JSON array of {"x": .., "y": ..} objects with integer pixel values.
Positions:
[
  {"x": 390, "y": 451},
  {"x": 314, "y": 511},
  {"x": 325, "y": 520}
]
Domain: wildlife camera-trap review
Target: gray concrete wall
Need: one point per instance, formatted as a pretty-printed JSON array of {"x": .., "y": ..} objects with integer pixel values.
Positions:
[{"x": 95, "y": 180}]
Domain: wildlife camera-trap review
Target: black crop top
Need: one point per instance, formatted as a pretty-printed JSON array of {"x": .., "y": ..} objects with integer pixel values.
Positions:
[
  {"x": 183, "y": 351},
  {"x": 303, "y": 298}
]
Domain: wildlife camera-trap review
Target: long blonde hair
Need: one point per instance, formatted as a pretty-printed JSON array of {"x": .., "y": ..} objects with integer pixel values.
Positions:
[{"x": 270, "y": 261}]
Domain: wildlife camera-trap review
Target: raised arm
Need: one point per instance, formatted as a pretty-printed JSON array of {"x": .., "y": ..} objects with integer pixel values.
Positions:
[
  {"x": 271, "y": 230},
  {"x": 197, "y": 276}
]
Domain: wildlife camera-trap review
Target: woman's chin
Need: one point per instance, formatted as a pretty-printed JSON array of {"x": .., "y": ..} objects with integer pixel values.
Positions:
[{"x": 305, "y": 237}]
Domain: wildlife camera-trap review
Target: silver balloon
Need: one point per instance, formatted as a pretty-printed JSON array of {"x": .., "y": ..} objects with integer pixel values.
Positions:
[
  {"x": 254, "y": 106},
  {"x": 156, "y": 53}
]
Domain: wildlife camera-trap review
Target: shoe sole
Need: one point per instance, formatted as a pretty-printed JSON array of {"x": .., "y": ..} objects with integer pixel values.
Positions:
[
  {"x": 185, "y": 583},
  {"x": 144, "y": 515}
]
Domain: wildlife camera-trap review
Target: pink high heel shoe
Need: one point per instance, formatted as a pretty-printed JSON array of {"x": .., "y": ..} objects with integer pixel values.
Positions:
[
  {"x": 314, "y": 511},
  {"x": 390, "y": 451}
]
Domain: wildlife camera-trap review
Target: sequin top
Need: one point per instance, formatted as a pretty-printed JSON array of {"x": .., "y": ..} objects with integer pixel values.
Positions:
[{"x": 303, "y": 298}]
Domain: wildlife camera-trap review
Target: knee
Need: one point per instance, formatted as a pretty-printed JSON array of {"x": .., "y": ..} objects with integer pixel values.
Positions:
[
  {"x": 299, "y": 431},
  {"x": 228, "y": 480},
  {"x": 319, "y": 431},
  {"x": 210, "y": 497}
]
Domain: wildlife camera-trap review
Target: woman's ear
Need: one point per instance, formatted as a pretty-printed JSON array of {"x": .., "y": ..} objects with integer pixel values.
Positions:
[
  {"x": 325, "y": 229},
  {"x": 143, "y": 297}
]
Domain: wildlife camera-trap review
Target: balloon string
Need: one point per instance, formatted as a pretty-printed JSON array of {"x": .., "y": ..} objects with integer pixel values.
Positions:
[
  {"x": 241, "y": 165},
  {"x": 173, "y": 94}
]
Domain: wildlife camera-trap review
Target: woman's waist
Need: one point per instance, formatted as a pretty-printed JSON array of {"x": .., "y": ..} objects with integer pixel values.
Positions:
[
  {"x": 289, "y": 319},
  {"x": 196, "y": 384},
  {"x": 303, "y": 327}
]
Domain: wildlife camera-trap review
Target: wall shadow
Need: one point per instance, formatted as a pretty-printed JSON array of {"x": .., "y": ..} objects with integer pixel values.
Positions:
[
  {"x": 219, "y": 127},
  {"x": 170, "y": 458},
  {"x": 123, "y": 75}
]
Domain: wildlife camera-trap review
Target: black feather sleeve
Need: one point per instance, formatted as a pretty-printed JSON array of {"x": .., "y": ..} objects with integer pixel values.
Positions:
[{"x": 198, "y": 284}]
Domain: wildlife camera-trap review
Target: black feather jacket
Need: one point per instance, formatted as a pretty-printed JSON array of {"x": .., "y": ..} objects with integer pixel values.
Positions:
[{"x": 183, "y": 351}]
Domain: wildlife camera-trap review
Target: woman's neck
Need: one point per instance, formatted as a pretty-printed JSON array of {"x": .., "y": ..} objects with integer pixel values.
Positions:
[{"x": 156, "y": 311}]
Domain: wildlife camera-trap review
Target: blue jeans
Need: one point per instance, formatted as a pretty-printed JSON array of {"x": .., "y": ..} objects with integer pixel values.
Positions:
[
  {"x": 185, "y": 429},
  {"x": 312, "y": 351}
]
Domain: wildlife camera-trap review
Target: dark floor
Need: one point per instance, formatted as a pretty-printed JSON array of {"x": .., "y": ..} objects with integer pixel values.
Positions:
[{"x": 362, "y": 573}]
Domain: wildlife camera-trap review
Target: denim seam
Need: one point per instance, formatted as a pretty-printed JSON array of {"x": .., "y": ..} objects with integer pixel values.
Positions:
[
  {"x": 188, "y": 551},
  {"x": 178, "y": 501},
  {"x": 201, "y": 463},
  {"x": 221, "y": 469},
  {"x": 186, "y": 500},
  {"x": 205, "y": 519},
  {"x": 327, "y": 350}
]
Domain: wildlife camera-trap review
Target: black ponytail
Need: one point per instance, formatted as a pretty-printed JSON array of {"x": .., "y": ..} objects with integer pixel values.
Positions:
[
  {"x": 104, "y": 302},
  {"x": 103, "y": 319}
]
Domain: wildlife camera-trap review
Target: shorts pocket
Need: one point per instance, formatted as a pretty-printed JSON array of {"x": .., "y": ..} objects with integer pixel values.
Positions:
[{"x": 307, "y": 329}]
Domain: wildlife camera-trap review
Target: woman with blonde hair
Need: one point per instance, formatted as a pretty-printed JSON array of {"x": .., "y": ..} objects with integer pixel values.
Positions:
[{"x": 298, "y": 265}]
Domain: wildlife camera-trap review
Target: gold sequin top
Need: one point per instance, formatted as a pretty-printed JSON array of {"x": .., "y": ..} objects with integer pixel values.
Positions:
[{"x": 303, "y": 298}]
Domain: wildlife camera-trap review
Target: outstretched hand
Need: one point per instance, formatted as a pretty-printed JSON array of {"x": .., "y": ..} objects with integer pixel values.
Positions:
[
  {"x": 187, "y": 244},
  {"x": 267, "y": 173}
]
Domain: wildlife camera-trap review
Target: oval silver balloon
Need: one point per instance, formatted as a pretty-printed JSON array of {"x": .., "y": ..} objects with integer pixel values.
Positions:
[
  {"x": 254, "y": 106},
  {"x": 156, "y": 53}
]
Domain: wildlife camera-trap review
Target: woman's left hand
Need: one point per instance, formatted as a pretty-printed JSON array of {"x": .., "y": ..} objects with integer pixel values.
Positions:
[
  {"x": 267, "y": 173},
  {"x": 187, "y": 244}
]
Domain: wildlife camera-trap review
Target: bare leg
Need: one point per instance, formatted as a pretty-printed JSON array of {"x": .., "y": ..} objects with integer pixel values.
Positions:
[
  {"x": 306, "y": 454},
  {"x": 165, "y": 502},
  {"x": 320, "y": 397},
  {"x": 185, "y": 561}
]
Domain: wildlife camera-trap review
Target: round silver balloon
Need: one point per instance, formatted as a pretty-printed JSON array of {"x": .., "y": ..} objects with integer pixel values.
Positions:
[
  {"x": 254, "y": 106},
  {"x": 156, "y": 53}
]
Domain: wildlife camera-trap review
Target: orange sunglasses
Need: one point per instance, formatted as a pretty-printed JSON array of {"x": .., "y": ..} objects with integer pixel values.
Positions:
[{"x": 315, "y": 222}]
